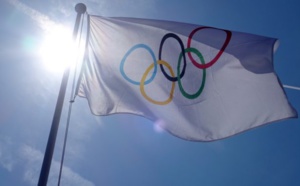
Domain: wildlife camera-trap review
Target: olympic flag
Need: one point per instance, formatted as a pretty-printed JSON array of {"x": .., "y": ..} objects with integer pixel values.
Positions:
[{"x": 199, "y": 83}]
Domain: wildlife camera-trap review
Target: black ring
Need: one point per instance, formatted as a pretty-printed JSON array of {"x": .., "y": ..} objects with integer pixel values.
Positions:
[{"x": 182, "y": 51}]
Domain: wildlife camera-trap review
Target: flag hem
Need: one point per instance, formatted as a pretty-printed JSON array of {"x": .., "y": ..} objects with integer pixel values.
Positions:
[{"x": 192, "y": 139}]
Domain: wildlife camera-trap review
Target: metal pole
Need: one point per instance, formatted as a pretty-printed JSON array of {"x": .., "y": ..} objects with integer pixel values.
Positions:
[{"x": 80, "y": 9}]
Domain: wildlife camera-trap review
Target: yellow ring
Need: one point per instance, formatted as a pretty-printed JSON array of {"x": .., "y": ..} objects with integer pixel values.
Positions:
[{"x": 142, "y": 89}]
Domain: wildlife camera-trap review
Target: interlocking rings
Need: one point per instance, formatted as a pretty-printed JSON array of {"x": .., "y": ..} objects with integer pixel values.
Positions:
[{"x": 172, "y": 77}]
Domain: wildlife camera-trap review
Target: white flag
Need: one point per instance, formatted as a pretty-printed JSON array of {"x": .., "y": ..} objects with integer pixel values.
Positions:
[{"x": 200, "y": 83}]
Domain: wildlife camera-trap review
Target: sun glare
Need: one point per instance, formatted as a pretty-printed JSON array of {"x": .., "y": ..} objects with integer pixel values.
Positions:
[{"x": 57, "y": 49}]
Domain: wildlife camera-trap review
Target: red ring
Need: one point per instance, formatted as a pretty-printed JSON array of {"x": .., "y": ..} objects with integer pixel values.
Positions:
[{"x": 207, "y": 65}]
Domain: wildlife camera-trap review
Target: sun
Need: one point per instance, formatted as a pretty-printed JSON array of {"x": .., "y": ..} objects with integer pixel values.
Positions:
[{"x": 58, "y": 49}]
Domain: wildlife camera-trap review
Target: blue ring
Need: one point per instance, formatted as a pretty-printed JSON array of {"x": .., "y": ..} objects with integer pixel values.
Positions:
[{"x": 128, "y": 53}]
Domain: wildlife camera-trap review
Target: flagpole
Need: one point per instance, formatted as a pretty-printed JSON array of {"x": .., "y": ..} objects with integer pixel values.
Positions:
[{"x": 80, "y": 9}]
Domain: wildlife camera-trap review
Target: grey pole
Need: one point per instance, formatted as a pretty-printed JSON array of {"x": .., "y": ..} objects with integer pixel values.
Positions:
[{"x": 80, "y": 9}]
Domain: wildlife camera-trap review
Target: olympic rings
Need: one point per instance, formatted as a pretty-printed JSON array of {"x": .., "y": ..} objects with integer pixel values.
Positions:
[
  {"x": 142, "y": 89},
  {"x": 128, "y": 53},
  {"x": 180, "y": 74},
  {"x": 182, "y": 51},
  {"x": 209, "y": 64},
  {"x": 184, "y": 93}
]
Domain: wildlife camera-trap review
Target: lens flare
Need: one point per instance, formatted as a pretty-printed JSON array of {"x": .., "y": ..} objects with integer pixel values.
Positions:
[{"x": 159, "y": 126}]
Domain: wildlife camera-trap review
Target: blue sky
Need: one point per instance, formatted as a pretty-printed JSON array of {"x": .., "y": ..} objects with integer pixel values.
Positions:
[{"x": 125, "y": 149}]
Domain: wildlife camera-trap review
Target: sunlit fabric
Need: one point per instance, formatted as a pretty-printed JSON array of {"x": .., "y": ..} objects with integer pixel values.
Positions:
[{"x": 200, "y": 83}]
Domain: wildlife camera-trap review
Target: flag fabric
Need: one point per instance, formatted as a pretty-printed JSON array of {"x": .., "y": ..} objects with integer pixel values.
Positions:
[{"x": 197, "y": 82}]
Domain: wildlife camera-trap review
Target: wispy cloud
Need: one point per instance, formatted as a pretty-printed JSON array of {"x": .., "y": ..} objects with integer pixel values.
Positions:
[
  {"x": 43, "y": 21},
  {"x": 104, "y": 8},
  {"x": 33, "y": 159},
  {"x": 6, "y": 159}
]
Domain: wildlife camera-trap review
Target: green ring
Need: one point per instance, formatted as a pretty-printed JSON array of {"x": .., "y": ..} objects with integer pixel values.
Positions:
[{"x": 183, "y": 92}]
